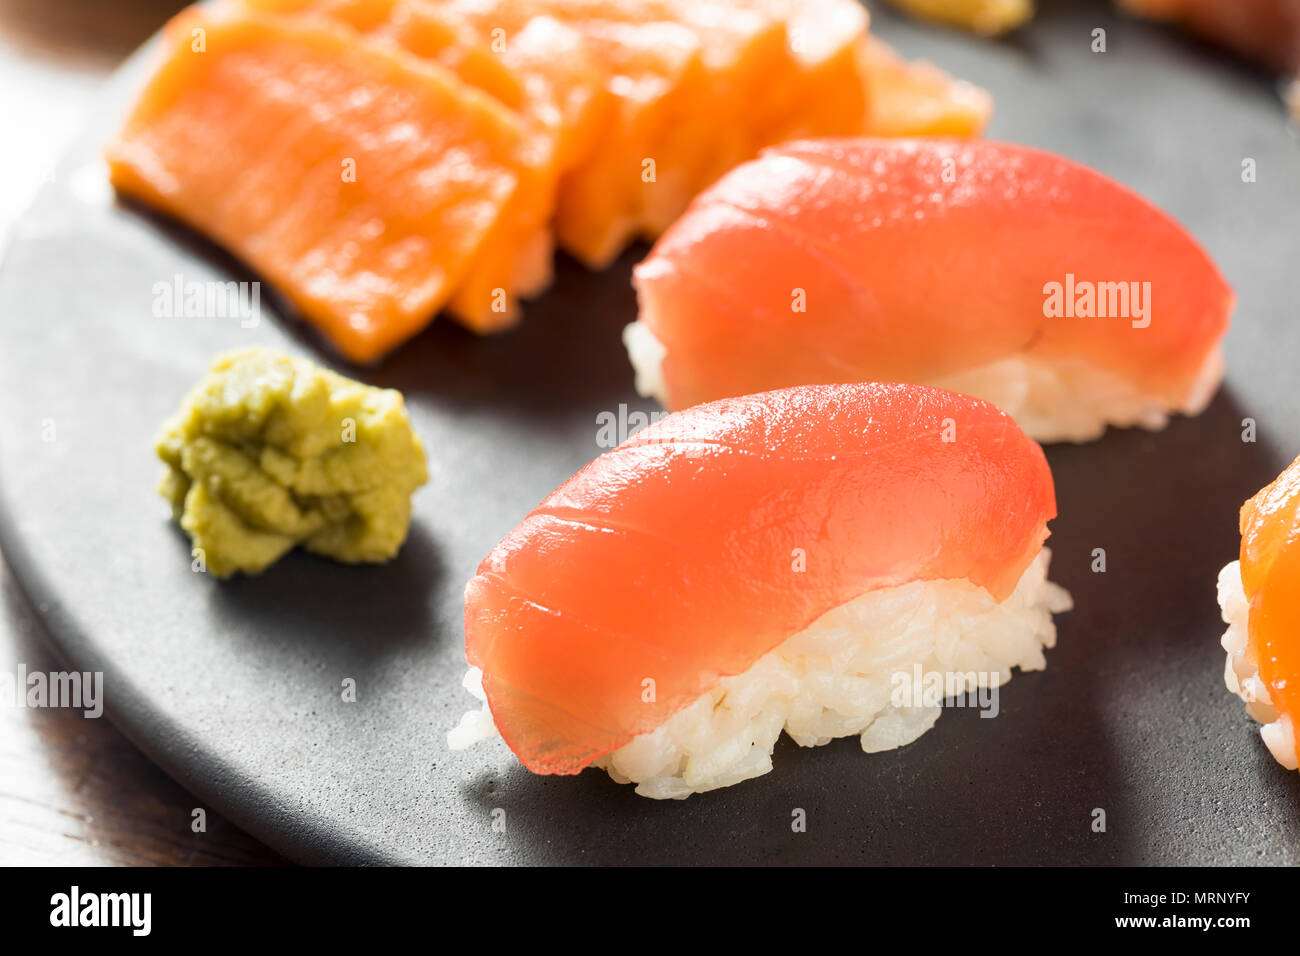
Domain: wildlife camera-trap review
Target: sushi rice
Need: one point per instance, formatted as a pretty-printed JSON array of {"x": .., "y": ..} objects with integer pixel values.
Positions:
[
  {"x": 836, "y": 678},
  {"x": 1058, "y": 400},
  {"x": 1242, "y": 675}
]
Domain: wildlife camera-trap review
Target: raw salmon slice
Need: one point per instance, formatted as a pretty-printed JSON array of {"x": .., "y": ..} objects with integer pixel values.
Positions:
[
  {"x": 824, "y": 92},
  {"x": 645, "y": 66},
  {"x": 654, "y": 69},
  {"x": 776, "y": 70},
  {"x": 361, "y": 181},
  {"x": 421, "y": 28},
  {"x": 567, "y": 89},
  {"x": 745, "y": 55},
  {"x": 515, "y": 259},
  {"x": 917, "y": 98},
  {"x": 933, "y": 261},
  {"x": 670, "y": 557},
  {"x": 540, "y": 68}
]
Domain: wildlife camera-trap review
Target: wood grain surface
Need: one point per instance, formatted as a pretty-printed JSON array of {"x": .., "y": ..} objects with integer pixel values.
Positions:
[{"x": 73, "y": 790}]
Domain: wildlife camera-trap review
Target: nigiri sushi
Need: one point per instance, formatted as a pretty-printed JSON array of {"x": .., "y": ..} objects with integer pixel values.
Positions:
[
  {"x": 1260, "y": 598},
  {"x": 787, "y": 560},
  {"x": 988, "y": 268}
]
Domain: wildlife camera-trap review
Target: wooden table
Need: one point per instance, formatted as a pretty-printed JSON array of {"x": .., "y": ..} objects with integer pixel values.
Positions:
[{"x": 74, "y": 791}]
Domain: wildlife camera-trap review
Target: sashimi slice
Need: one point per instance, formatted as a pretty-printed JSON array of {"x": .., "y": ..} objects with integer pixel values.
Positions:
[
  {"x": 361, "y": 181},
  {"x": 564, "y": 93},
  {"x": 541, "y": 68},
  {"x": 650, "y": 66},
  {"x": 515, "y": 259},
  {"x": 654, "y": 69},
  {"x": 565, "y": 86},
  {"x": 420, "y": 29},
  {"x": 777, "y": 69},
  {"x": 1260, "y": 597},
  {"x": 825, "y": 92},
  {"x": 675, "y": 558},
  {"x": 917, "y": 98},
  {"x": 940, "y": 262},
  {"x": 745, "y": 56}
]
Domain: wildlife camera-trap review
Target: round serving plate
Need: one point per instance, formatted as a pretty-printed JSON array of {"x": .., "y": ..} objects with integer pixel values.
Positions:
[{"x": 236, "y": 687}]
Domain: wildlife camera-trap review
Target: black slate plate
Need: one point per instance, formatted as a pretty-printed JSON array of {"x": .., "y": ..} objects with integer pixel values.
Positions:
[{"x": 235, "y": 688}]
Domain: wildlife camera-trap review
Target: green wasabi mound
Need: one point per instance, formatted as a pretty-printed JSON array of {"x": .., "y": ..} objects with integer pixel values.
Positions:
[{"x": 270, "y": 451}]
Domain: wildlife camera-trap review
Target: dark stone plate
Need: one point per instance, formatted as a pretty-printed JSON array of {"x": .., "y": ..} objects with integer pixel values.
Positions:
[{"x": 235, "y": 688}]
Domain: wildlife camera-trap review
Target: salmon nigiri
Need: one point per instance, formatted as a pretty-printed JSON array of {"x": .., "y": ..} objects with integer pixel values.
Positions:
[
  {"x": 1260, "y": 598},
  {"x": 827, "y": 560},
  {"x": 989, "y": 268}
]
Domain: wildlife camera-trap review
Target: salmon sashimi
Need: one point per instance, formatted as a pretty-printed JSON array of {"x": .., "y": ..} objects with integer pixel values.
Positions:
[
  {"x": 544, "y": 71},
  {"x": 515, "y": 260},
  {"x": 989, "y": 268},
  {"x": 421, "y": 29},
  {"x": 777, "y": 70},
  {"x": 650, "y": 66},
  {"x": 1260, "y": 598},
  {"x": 918, "y": 98},
  {"x": 360, "y": 180},
  {"x": 757, "y": 563},
  {"x": 565, "y": 85},
  {"x": 744, "y": 55},
  {"x": 825, "y": 93},
  {"x": 654, "y": 69}
]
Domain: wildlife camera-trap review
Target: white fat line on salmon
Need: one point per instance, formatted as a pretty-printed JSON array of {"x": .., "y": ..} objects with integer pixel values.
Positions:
[
  {"x": 74, "y": 690},
  {"x": 1084, "y": 299},
  {"x": 74, "y": 908},
  {"x": 199, "y": 299},
  {"x": 919, "y": 688}
]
